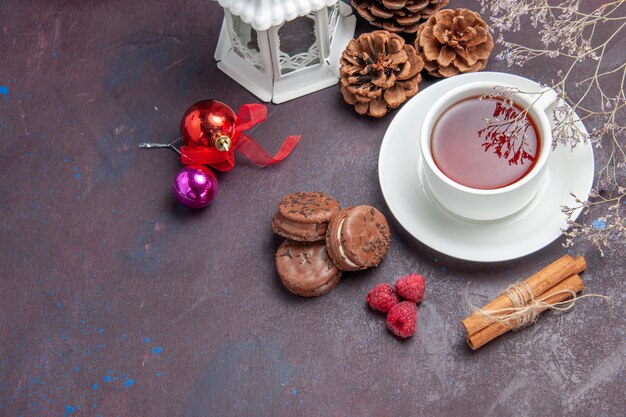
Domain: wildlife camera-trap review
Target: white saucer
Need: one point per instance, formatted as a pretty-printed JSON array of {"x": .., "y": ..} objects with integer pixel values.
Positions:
[{"x": 534, "y": 227}]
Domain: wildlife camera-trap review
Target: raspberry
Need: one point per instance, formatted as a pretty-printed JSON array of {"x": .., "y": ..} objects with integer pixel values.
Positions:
[
  {"x": 382, "y": 297},
  {"x": 402, "y": 318},
  {"x": 411, "y": 288}
]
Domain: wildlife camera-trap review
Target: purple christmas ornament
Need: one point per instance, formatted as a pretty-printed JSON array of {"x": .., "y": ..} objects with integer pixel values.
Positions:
[{"x": 195, "y": 186}]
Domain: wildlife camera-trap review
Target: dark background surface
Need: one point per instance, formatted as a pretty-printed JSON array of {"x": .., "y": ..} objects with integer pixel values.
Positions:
[{"x": 117, "y": 301}]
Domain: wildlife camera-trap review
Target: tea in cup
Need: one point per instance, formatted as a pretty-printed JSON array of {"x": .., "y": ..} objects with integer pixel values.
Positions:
[{"x": 485, "y": 156}]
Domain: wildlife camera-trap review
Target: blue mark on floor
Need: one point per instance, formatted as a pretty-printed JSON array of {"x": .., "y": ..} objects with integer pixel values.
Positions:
[
  {"x": 598, "y": 224},
  {"x": 4, "y": 90},
  {"x": 157, "y": 350}
]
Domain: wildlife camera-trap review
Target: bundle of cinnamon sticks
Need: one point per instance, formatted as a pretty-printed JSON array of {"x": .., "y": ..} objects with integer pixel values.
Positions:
[{"x": 553, "y": 284}]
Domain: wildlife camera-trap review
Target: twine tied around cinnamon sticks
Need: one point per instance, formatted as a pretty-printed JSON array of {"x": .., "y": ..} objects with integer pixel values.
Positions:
[
  {"x": 554, "y": 287},
  {"x": 526, "y": 308}
]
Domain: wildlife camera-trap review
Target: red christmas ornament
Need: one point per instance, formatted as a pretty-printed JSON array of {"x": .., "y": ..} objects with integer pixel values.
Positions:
[
  {"x": 219, "y": 151},
  {"x": 208, "y": 123}
]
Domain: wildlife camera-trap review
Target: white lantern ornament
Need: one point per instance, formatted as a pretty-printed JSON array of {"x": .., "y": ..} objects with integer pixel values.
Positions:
[{"x": 283, "y": 49}]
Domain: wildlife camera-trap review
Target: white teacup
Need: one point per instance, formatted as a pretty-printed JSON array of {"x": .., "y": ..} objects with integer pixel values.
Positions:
[{"x": 479, "y": 204}]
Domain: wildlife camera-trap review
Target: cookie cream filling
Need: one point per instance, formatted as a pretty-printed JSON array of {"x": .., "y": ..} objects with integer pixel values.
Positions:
[{"x": 342, "y": 253}]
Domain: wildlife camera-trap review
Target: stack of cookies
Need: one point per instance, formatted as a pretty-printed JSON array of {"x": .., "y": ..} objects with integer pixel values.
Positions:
[{"x": 323, "y": 240}]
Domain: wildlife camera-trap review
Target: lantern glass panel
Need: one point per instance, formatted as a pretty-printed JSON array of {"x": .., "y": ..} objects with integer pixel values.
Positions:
[
  {"x": 333, "y": 18},
  {"x": 245, "y": 43},
  {"x": 298, "y": 44}
]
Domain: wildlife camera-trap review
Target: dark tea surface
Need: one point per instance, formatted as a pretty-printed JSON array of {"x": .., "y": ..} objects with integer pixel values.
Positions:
[{"x": 485, "y": 143}]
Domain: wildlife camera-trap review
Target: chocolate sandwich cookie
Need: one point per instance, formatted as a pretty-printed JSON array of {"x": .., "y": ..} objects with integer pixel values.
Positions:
[
  {"x": 304, "y": 216},
  {"x": 357, "y": 238},
  {"x": 305, "y": 268}
]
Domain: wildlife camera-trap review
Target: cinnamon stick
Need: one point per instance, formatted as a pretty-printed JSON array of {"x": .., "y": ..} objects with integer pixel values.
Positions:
[
  {"x": 539, "y": 283},
  {"x": 553, "y": 295}
]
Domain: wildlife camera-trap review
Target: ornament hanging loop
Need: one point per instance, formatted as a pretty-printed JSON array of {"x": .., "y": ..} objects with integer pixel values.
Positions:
[{"x": 150, "y": 145}]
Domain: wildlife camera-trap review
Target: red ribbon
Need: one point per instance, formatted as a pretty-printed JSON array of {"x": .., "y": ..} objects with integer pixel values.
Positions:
[{"x": 249, "y": 115}]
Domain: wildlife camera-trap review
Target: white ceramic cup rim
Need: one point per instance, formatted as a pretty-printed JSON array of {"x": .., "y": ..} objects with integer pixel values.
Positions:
[{"x": 536, "y": 111}]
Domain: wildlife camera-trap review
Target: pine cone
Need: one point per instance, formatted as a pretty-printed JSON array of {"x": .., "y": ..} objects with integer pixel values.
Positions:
[
  {"x": 454, "y": 41},
  {"x": 397, "y": 15},
  {"x": 379, "y": 72}
]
